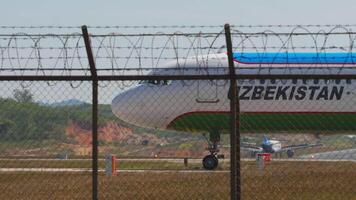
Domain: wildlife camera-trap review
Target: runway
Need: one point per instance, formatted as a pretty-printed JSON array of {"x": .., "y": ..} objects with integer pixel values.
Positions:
[
  {"x": 347, "y": 154},
  {"x": 101, "y": 170},
  {"x": 173, "y": 160},
  {"x": 302, "y": 160},
  {"x": 339, "y": 155},
  {"x": 89, "y": 170},
  {"x": 332, "y": 156}
]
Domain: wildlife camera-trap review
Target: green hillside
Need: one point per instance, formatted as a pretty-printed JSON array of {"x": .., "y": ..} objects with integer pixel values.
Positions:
[{"x": 33, "y": 121}]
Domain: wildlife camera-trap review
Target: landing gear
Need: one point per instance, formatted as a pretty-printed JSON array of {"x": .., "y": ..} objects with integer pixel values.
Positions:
[
  {"x": 290, "y": 153},
  {"x": 210, "y": 162}
]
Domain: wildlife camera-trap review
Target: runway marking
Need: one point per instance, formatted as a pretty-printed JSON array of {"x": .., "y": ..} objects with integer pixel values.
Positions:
[
  {"x": 172, "y": 160},
  {"x": 192, "y": 160},
  {"x": 158, "y": 170},
  {"x": 101, "y": 170},
  {"x": 302, "y": 160}
]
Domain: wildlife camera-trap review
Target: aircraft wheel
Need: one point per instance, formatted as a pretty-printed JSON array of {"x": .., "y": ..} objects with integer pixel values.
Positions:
[
  {"x": 290, "y": 153},
  {"x": 210, "y": 162}
]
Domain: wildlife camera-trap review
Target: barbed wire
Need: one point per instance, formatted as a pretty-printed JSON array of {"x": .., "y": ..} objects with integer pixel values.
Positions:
[
  {"x": 177, "y": 26},
  {"x": 117, "y": 53},
  {"x": 170, "y": 48},
  {"x": 250, "y": 34},
  {"x": 114, "y": 26}
]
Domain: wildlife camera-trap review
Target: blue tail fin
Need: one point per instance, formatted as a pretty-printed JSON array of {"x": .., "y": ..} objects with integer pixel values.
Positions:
[{"x": 265, "y": 140}]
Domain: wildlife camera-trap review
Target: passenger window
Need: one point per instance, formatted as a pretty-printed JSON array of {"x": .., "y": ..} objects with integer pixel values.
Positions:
[
  {"x": 154, "y": 82},
  {"x": 159, "y": 82},
  {"x": 166, "y": 82}
]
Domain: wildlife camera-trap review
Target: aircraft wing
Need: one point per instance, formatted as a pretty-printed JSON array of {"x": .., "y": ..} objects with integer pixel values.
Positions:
[
  {"x": 250, "y": 148},
  {"x": 300, "y": 146},
  {"x": 246, "y": 146}
]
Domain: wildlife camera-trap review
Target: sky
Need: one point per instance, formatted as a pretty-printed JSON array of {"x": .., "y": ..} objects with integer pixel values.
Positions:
[
  {"x": 182, "y": 12},
  {"x": 159, "y": 12}
]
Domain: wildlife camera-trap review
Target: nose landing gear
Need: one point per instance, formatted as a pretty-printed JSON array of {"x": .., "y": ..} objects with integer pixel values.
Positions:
[
  {"x": 290, "y": 153},
  {"x": 211, "y": 162}
]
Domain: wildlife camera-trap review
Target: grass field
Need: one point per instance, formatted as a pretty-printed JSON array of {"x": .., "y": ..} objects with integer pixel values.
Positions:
[
  {"x": 278, "y": 180},
  {"x": 127, "y": 164}
]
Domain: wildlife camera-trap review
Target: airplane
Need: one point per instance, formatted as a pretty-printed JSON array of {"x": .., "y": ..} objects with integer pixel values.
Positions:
[
  {"x": 275, "y": 146},
  {"x": 267, "y": 105}
]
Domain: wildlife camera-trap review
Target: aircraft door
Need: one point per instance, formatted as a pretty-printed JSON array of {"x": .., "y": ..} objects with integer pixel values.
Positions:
[{"x": 207, "y": 91}]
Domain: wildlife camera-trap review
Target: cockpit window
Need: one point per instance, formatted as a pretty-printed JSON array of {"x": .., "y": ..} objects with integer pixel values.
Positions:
[{"x": 156, "y": 82}]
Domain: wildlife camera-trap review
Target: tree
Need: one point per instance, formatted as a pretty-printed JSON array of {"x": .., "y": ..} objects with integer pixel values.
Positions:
[{"x": 23, "y": 96}]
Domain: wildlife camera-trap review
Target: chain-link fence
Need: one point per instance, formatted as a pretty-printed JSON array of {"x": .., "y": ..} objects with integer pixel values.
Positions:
[
  {"x": 40, "y": 158},
  {"x": 146, "y": 112}
]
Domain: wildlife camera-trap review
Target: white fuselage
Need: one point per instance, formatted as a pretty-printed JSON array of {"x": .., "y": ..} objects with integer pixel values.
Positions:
[
  {"x": 157, "y": 104},
  {"x": 276, "y": 145}
]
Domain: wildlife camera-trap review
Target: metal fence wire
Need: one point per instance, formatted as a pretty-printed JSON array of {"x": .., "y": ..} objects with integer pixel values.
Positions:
[{"x": 205, "y": 112}]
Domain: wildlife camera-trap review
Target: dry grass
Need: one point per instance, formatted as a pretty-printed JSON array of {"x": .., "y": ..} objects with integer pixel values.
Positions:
[
  {"x": 127, "y": 164},
  {"x": 301, "y": 180},
  {"x": 279, "y": 180}
]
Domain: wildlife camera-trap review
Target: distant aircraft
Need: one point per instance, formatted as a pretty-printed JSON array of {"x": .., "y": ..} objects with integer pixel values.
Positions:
[
  {"x": 267, "y": 106},
  {"x": 275, "y": 146}
]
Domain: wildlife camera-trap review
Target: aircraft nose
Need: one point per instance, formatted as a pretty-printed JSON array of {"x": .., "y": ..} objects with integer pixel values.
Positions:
[
  {"x": 139, "y": 106},
  {"x": 121, "y": 105},
  {"x": 129, "y": 107}
]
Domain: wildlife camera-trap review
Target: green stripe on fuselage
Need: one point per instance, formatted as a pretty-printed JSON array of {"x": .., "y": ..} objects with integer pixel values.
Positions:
[{"x": 269, "y": 122}]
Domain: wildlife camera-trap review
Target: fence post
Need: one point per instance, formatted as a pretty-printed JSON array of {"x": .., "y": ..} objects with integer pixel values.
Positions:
[
  {"x": 94, "y": 113},
  {"x": 235, "y": 175}
]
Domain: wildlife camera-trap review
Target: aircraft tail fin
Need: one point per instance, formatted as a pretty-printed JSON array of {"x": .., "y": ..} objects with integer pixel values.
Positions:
[{"x": 265, "y": 140}]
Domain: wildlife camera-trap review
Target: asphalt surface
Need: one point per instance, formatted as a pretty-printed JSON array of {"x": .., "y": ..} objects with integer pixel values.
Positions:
[
  {"x": 347, "y": 154},
  {"x": 101, "y": 170},
  {"x": 333, "y": 156}
]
